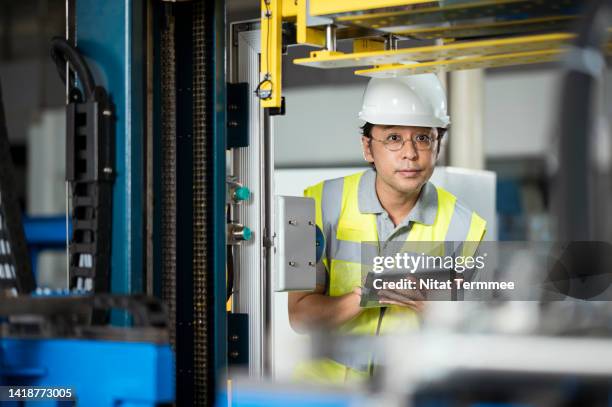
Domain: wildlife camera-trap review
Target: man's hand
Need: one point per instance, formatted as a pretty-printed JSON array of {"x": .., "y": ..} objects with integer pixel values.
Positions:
[
  {"x": 357, "y": 292},
  {"x": 315, "y": 310},
  {"x": 413, "y": 299},
  {"x": 352, "y": 301}
]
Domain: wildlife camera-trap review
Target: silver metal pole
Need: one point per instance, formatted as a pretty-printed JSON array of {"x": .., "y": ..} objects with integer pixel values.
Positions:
[{"x": 330, "y": 37}]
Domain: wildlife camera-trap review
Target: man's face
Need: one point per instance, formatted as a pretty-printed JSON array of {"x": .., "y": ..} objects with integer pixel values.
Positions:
[{"x": 407, "y": 169}]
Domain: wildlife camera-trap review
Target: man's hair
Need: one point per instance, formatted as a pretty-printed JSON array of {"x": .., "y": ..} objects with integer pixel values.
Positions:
[{"x": 366, "y": 131}]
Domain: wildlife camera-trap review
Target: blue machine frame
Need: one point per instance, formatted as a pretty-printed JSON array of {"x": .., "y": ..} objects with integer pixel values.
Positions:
[
  {"x": 109, "y": 35},
  {"x": 45, "y": 233},
  {"x": 98, "y": 372}
]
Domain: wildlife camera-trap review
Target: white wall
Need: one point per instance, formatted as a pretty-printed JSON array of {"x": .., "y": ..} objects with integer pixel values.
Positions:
[
  {"x": 520, "y": 112},
  {"x": 46, "y": 186},
  {"x": 320, "y": 128}
]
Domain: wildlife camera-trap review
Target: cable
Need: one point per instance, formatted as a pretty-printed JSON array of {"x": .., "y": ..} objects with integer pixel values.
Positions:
[
  {"x": 62, "y": 52},
  {"x": 268, "y": 36}
]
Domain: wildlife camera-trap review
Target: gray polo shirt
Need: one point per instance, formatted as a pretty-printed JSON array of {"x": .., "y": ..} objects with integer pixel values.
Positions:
[{"x": 424, "y": 211}]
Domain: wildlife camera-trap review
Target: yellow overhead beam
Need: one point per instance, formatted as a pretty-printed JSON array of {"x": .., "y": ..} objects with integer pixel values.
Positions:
[
  {"x": 323, "y": 7},
  {"x": 485, "y": 28},
  {"x": 367, "y": 18},
  {"x": 454, "y": 49},
  {"x": 368, "y": 44},
  {"x": 475, "y": 62}
]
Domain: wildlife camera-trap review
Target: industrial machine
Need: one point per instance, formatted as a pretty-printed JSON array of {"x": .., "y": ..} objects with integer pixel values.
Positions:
[
  {"x": 46, "y": 336},
  {"x": 49, "y": 344},
  {"x": 179, "y": 241}
]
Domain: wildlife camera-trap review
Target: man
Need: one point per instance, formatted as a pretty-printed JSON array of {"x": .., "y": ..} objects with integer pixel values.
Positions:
[{"x": 405, "y": 120}]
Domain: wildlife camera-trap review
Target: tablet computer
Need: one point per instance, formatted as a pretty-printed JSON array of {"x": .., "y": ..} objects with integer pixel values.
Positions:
[{"x": 424, "y": 284}]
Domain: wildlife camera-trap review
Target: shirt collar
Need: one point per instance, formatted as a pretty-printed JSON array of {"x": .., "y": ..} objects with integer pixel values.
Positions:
[{"x": 424, "y": 211}]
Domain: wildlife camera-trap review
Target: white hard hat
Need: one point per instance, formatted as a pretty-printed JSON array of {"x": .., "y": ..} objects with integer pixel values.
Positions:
[{"x": 416, "y": 100}]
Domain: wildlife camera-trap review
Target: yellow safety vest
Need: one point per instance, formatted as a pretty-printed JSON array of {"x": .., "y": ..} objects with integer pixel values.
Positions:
[{"x": 355, "y": 227}]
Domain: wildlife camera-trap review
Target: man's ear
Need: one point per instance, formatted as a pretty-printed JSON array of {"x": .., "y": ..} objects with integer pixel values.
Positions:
[
  {"x": 366, "y": 147},
  {"x": 439, "y": 147}
]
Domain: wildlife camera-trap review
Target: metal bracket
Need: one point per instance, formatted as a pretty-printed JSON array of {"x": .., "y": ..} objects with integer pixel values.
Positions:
[
  {"x": 237, "y": 115},
  {"x": 238, "y": 339},
  {"x": 278, "y": 111},
  {"x": 296, "y": 244}
]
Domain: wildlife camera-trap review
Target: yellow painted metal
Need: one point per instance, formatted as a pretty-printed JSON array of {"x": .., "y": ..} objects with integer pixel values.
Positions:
[
  {"x": 271, "y": 52},
  {"x": 425, "y": 19},
  {"x": 391, "y": 18},
  {"x": 325, "y": 53},
  {"x": 476, "y": 62},
  {"x": 486, "y": 61},
  {"x": 368, "y": 44},
  {"x": 305, "y": 34},
  {"x": 445, "y": 51},
  {"x": 488, "y": 28},
  {"x": 322, "y": 7},
  {"x": 289, "y": 9}
]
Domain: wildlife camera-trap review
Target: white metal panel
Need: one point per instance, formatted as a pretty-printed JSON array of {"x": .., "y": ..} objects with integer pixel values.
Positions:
[
  {"x": 250, "y": 290},
  {"x": 295, "y": 244}
]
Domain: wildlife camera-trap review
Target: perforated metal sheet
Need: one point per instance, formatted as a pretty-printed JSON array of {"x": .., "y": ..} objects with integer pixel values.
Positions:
[
  {"x": 201, "y": 128},
  {"x": 168, "y": 174}
]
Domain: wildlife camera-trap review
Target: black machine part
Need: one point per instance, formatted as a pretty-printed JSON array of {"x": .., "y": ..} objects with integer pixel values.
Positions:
[
  {"x": 15, "y": 268},
  {"x": 581, "y": 210},
  {"x": 89, "y": 169},
  {"x": 71, "y": 317}
]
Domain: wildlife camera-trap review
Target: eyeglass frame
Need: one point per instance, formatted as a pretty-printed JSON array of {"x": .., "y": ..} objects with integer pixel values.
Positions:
[{"x": 385, "y": 143}]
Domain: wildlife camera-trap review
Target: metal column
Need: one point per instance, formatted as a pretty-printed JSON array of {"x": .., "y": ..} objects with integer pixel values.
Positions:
[
  {"x": 110, "y": 35},
  {"x": 467, "y": 119},
  {"x": 193, "y": 193},
  {"x": 252, "y": 167}
]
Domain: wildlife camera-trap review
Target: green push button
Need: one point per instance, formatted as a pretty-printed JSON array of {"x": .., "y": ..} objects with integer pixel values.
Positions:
[
  {"x": 242, "y": 194},
  {"x": 246, "y": 233}
]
